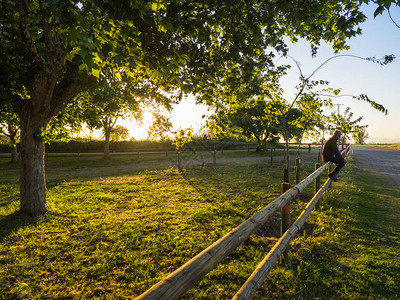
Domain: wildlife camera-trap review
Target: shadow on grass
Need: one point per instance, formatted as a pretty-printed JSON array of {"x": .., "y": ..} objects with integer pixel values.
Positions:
[{"x": 14, "y": 221}]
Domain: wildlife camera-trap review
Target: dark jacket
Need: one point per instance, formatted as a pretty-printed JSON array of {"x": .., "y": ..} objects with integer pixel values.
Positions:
[{"x": 330, "y": 149}]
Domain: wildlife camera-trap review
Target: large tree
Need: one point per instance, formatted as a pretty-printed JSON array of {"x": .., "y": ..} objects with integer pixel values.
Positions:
[{"x": 53, "y": 50}]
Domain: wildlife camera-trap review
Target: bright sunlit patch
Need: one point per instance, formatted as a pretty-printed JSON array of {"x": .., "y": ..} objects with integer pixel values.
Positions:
[
  {"x": 138, "y": 129},
  {"x": 186, "y": 114}
]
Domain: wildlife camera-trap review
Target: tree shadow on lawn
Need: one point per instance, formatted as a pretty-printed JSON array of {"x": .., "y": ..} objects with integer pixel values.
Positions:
[{"x": 12, "y": 222}]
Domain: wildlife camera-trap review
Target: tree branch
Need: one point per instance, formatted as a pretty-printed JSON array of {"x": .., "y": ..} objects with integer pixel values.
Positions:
[
  {"x": 46, "y": 26},
  {"x": 390, "y": 16},
  {"x": 68, "y": 88},
  {"x": 26, "y": 38}
]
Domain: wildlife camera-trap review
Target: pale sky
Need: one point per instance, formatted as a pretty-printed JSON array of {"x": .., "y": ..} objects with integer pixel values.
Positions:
[
  {"x": 381, "y": 83},
  {"x": 354, "y": 76}
]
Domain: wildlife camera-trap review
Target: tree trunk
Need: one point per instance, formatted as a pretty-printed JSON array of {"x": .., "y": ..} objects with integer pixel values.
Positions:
[
  {"x": 258, "y": 149},
  {"x": 32, "y": 175},
  {"x": 107, "y": 132},
  {"x": 14, "y": 153}
]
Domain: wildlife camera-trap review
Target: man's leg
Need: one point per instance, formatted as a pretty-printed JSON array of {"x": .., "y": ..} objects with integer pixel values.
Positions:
[{"x": 339, "y": 164}]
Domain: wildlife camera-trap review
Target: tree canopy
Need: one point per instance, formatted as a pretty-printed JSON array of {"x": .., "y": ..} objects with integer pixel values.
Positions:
[{"x": 259, "y": 119}]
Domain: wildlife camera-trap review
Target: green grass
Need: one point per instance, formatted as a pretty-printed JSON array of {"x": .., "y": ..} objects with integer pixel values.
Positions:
[{"x": 113, "y": 232}]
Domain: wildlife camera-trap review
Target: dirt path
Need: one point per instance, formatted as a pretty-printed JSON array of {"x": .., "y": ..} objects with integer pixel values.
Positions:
[{"x": 385, "y": 161}]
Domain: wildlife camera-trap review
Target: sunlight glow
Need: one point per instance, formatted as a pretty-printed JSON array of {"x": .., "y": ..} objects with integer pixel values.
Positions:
[{"x": 186, "y": 114}]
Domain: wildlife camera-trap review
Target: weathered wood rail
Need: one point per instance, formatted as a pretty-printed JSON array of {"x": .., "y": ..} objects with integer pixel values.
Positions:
[
  {"x": 256, "y": 279},
  {"x": 181, "y": 280}
]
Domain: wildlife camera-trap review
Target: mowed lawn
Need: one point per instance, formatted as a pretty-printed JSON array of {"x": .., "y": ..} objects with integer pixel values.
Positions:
[{"x": 113, "y": 231}]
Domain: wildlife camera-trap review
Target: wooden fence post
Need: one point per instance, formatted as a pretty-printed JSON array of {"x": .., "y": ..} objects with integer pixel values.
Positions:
[
  {"x": 329, "y": 172},
  {"x": 286, "y": 175},
  {"x": 285, "y": 223},
  {"x": 317, "y": 183},
  {"x": 271, "y": 154},
  {"x": 347, "y": 150},
  {"x": 309, "y": 148},
  {"x": 297, "y": 173},
  {"x": 297, "y": 170},
  {"x": 215, "y": 157},
  {"x": 179, "y": 160}
]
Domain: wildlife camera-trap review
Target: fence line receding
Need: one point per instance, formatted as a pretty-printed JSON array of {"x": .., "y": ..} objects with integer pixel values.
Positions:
[{"x": 181, "y": 280}]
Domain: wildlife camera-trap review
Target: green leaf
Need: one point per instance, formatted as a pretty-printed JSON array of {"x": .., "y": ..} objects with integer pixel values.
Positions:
[
  {"x": 83, "y": 67},
  {"x": 387, "y": 3},
  {"x": 154, "y": 6},
  {"x": 142, "y": 13},
  {"x": 157, "y": 74},
  {"x": 374, "y": 104},
  {"x": 70, "y": 55},
  {"x": 166, "y": 70},
  {"x": 82, "y": 53},
  {"x": 107, "y": 28},
  {"x": 89, "y": 61},
  {"x": 96, "y": 72},
  {"x": 378, "y": 11},
  {"x": 73, "y": 34},
  {"x": 119, "y": 58}
]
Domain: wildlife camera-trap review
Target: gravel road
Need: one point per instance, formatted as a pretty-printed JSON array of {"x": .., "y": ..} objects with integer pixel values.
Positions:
[{"x": 385, "y": 161}]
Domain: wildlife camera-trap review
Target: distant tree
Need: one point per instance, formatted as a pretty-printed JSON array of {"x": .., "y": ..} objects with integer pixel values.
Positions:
[
  {"x": 160, "y": 128},
  {"x": 119, "y": 133},
  {"x": 9, "y": 127},
  {"x": 253, "y": 120},
  {"x": 104, "y": 105},
  {"x": 360, "y": 135},
  {"x": 182, "y": 137},
  {"x": 312, "y": 118},
  {"x": 345, "y": 123},
  {"x": 60, "y": 128}
]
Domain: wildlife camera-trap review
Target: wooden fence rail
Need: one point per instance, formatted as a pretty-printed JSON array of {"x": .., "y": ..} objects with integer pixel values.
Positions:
[
  {"x": 181, "y": 280},
  {"x": 256, "y": 279}
]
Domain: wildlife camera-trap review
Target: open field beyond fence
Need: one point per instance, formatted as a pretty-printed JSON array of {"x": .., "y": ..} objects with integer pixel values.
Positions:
[
  {"x": 387, "y": 146},
  {"x": 113, "y": 230}
]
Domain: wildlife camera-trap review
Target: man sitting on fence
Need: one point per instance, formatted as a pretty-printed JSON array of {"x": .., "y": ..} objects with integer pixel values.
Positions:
[{"x": 330, "y": 152}]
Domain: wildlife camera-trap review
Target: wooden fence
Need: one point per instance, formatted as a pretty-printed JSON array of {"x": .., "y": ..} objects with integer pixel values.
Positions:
[
  {"x": 181, "y": 280},
  {"x": 221, "y": 147}
]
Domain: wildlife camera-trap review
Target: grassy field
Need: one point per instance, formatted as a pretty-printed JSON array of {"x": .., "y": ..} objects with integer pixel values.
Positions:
[
  {"x": 113, "y": 230},
  {"x": 387, "y": 146}
]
